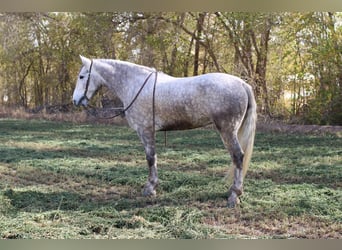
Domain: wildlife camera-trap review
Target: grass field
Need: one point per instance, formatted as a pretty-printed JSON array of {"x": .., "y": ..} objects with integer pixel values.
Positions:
[{"x": 64, "y": 180}]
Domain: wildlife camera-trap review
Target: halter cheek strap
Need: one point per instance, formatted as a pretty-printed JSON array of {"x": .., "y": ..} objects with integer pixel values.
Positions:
[{"x": 87, "y": 84}]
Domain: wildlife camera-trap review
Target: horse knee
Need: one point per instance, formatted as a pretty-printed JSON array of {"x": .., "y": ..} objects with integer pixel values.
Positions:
[
  {"x": 151, "y": 159},
  {"x": 238, "y": 159}
]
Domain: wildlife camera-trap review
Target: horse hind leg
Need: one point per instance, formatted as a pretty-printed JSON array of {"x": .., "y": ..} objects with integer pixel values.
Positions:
[{"x": 231, "y": 142}]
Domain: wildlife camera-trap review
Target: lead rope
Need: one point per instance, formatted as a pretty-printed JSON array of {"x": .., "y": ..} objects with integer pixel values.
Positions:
[
  {"x": 122, "y": 112},
  {"x": 153, "y": 106},
  {"x": 154, "y": 111}
]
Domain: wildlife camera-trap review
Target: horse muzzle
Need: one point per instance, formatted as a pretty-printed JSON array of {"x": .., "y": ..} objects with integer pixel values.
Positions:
[{"x": 81, "y": 102}]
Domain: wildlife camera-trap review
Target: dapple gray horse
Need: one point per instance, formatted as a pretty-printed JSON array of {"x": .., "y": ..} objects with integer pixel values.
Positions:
[{"x": 155, "y": 101}]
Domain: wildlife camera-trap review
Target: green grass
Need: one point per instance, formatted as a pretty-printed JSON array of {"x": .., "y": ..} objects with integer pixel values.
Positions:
[{"x": 61, "y": 180}]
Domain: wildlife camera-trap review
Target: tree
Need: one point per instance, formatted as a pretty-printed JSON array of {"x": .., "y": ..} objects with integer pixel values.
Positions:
[
  {"x": 277, "y": 53},
  {"x": 250, "y": 34},
  {"x": 312, "y": 55}
]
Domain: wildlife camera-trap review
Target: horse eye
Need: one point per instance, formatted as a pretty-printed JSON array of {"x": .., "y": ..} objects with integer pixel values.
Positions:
[{"x": 81, "y": 77}]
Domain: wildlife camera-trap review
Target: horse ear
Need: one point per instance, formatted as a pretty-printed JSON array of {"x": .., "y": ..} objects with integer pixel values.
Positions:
[{"x": 85, "y": 61}]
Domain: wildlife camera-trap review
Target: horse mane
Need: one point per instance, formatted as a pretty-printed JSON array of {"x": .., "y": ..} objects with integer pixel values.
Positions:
[{"x": 127, "y": 64}]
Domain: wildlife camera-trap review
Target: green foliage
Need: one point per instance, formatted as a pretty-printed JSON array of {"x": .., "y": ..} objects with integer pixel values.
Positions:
[
  {"x": 277, "y": 53},
  {"x": 313, "y": 66},
  {"x": 61, "y": 180}
]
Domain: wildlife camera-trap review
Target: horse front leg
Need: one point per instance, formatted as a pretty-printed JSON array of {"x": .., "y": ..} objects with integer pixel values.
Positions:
[
  {"x": 148, "y": 140},
  {"x": 152, "y": 181}
]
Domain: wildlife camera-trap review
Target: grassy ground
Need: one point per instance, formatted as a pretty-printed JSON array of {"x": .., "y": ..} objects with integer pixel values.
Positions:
[{"x": 61, "y": 180}]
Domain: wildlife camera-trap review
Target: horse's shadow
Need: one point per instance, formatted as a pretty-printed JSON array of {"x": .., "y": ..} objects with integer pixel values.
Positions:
[{"x": 36, "y": 201}]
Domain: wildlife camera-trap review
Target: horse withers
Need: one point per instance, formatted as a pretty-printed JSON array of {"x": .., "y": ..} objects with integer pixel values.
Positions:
[{"x": 154, "y": 101}]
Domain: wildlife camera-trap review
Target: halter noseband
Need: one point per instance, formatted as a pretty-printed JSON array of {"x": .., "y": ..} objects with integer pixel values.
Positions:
[{"x": 87, "y": 84}]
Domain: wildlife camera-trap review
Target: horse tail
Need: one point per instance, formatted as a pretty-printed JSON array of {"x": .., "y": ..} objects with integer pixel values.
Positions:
[{"x": 246, "y": 131}]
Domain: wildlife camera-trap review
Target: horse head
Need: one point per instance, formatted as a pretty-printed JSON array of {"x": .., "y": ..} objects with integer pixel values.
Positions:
[{"x": 87, "y": 84}]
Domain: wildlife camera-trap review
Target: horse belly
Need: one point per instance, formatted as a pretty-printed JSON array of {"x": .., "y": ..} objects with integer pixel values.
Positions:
[
  {"x": 183, "y": 124},
  {"x": 183, "y": 118},
  {"x": 178, "y": 125}
]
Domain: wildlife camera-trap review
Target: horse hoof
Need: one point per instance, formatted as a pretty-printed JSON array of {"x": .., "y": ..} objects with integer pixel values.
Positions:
[
  {"x": 233, "y": 202},
  {"x": 149, "y": 191}
]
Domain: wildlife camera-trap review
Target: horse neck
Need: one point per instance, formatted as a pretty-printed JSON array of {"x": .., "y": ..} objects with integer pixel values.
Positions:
[{"x": 125, "y": 78}]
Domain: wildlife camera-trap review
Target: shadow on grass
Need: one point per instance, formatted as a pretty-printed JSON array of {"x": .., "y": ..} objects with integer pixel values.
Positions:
[
  {"x": 320, "y": 175},
  {"x": 35, "y": 201},
  {"x": 17, "y": 154},
  {"x": 298, "y": 159}
]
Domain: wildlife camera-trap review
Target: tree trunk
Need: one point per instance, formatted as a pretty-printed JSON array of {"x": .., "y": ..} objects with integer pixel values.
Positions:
[
  {"x": 260, "y": 70},
  {"x": 199, "y": 29}
]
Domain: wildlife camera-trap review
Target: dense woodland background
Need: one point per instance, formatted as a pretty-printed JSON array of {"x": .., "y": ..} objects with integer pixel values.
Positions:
[{"x": 292, "y": 60}]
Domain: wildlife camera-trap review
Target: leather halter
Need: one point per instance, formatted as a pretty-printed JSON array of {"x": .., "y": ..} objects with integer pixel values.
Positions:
[{"x": 87, "y": 84}]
